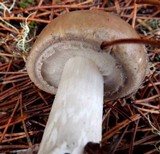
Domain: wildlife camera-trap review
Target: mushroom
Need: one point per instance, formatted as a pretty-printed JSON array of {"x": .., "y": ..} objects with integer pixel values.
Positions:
[{"x": 67, "y": 60}]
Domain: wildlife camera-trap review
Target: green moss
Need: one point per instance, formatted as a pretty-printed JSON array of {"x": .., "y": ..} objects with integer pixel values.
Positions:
[
  {"x": 153, "y": 23},
  {"x": 32, "y": 24},
  {"x": 25, "y": 3}
]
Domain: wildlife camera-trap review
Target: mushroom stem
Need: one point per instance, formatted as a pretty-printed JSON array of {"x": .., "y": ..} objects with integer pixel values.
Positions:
[{"x": 76, "y": 114}]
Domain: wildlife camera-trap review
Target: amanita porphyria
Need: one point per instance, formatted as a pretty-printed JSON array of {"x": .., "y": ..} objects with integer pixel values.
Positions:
[{"x": 66, "y": 60}]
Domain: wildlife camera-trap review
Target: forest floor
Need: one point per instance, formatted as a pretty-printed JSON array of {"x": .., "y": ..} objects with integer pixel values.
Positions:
[{"x": 130, "y": 126}]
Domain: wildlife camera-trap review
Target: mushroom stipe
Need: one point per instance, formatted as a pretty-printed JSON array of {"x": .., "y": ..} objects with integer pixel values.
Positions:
[{"x": 66, "y": 60}]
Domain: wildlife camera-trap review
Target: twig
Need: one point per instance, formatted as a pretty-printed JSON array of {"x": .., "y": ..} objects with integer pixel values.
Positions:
[
  {"x": 9, "y": 121},
  {"x": 105, "y": 44},
  {"x": 153, "y": 2}
]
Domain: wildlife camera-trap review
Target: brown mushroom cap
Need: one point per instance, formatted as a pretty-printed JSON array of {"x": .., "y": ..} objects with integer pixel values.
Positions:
[{"x": 80, "y": 33}]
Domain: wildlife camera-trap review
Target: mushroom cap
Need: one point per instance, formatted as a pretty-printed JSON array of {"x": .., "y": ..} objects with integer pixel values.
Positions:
[{"x": 80, "y": 33}]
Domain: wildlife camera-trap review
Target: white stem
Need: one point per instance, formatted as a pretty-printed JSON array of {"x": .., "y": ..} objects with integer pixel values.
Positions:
[{"x": 76, "y": 115}]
